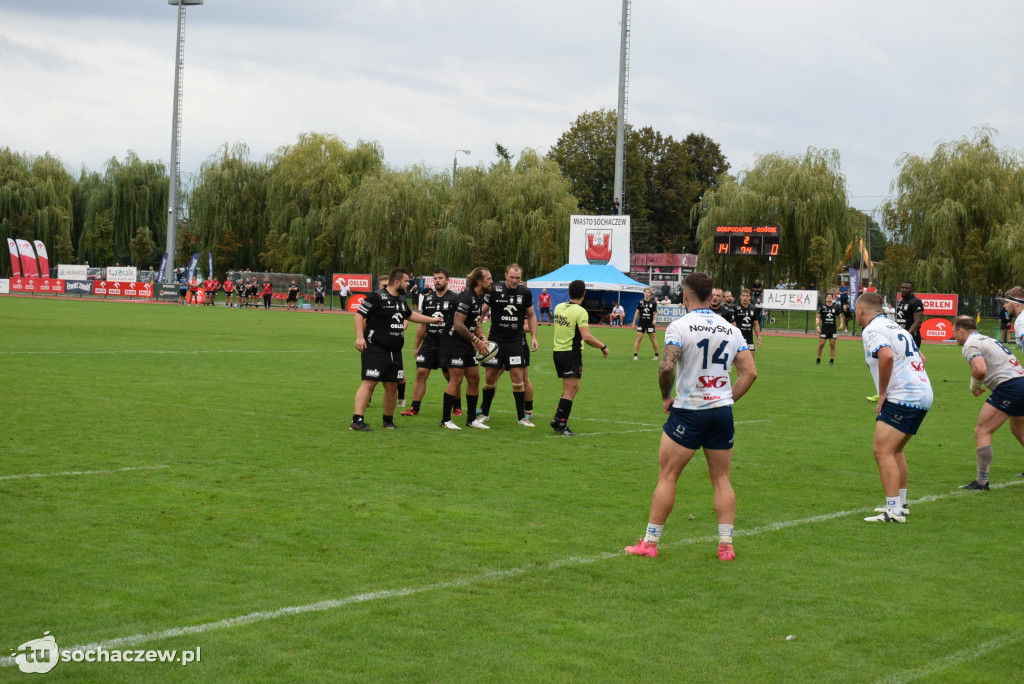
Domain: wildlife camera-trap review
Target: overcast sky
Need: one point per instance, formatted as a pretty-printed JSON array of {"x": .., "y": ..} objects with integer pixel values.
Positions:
[{"x": 90, "y": 79}]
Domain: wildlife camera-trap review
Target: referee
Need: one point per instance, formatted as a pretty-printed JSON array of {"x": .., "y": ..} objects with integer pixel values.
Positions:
[{"x": 572, "y": 329}]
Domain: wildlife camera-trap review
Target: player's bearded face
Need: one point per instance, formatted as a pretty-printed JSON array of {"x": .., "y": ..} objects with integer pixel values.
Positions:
[
  {"x": 440, "y": 282},
  {"x": 403, "y": 285}
]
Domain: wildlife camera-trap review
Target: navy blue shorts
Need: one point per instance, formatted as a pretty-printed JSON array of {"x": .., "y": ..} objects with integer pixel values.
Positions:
[
  {"x": 1009, "y": 397},
  {"x": 904, "y": 418},
  {"x": 708, "y": 428}
]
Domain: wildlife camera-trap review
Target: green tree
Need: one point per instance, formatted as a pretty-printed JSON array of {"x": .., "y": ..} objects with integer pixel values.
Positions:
[
  {"x": 228, "y": 207},
  {"x": 820, "y": 265},
  {"x": 142, "y": 246},
  {"x": 100, "y": 240},
  {"x": 965, "y": 200},
  {"x": 663, "y": 178},
  {"x": 805, "y": 195},
  {"x": 306, "y": 183},
  {"x": 35, "y": 199},
  {"x": 65, "y": 247}
]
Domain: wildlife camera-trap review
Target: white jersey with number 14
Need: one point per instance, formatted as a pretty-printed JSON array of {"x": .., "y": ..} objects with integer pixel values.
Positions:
[{"x": 709, "y": 346}]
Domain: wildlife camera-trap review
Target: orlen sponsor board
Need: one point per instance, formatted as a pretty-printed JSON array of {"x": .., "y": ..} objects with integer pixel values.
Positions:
[
  {"x": 105, "y": 288},
  {"x": 42, "y": 285},
  {"x": 936, "y": 330},
  {"x": 937, "y": 304},
  {"x": 357, "y": 282},
  {"x": 353, "y": 302}
]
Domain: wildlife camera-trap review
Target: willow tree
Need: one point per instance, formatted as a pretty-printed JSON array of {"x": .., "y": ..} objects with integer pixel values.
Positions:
[
  {"x": 508, "y": 213},
  {"x": 805, "y": 195},
  {"x": 35, "y": 199},
  {"x": 960, "y": 214},
  {"x": 138, "y": 197},
  {"x": 306, "y": 182},
  {"x": 391, "y": 219},
  {"x": 228, "y": 207}
]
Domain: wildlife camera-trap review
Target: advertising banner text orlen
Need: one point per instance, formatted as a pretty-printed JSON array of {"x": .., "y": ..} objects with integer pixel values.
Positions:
[
  {"x": 106, "y": 288},
  {"x": 357, "y": 282},
  {"x": 599, "y": 240},
  {"x": 937, "y": 304},
  {"x": 39, "y": 285}
]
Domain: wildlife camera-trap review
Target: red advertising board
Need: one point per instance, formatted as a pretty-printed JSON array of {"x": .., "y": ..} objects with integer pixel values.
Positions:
[
  {"x": 103, "y": 288},
  {"x": 357, "y": 282},
  {"x": 354, "y": 301},
  {"x": 936, "y": 330},
  {"x": 937, "y": 304},
  {"x": 41, "y": 285}
]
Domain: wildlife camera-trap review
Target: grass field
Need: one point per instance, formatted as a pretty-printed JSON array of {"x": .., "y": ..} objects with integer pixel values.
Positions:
[{"x": 198, "y": 487}]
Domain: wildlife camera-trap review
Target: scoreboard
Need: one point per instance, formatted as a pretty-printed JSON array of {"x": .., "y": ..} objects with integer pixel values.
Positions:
[{"x": 747, "y": 240}]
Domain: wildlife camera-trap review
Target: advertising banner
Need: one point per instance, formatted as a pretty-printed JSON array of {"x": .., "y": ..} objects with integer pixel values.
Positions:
[
  {"x": 5, "y": 286},
  {"x": 72, "y": 272},
  {"x": 122, "y": 274},
  {"x": 29, "y": 265},
  {"x": 107, "y": 288},
  {"x": 12, "y": 247},
  {"x": 40, "y": 285},
  {"x": 790, "y": 300},
  {"x": 937, "y": 304},
  {"x": 44, "y": 260},
  {"x": 599, "y": 240},
  {"x": 163, "y": 266},
  {"x": 669, "y": 312},
  {"x": 361, "y": 282},
  {"x": 454, "y": 284},
  {"x": 936, "y": 330},
  {"x": 78, "y": 287}
]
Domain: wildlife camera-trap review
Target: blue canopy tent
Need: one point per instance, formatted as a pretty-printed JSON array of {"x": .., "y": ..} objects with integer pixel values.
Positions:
[{"x": 604, "y": 283}]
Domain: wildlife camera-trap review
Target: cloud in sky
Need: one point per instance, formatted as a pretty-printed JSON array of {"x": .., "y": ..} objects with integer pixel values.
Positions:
[{"x": 90, "y": 80}]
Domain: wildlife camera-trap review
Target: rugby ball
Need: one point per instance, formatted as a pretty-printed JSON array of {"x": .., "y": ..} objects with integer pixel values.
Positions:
[{"x": 492, "y": 351}]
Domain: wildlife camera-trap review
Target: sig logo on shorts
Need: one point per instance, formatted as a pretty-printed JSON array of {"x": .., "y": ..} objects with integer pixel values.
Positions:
[
  {"x": 456, "y": 362},
  {"x": 420, "y": 358},
  {"x": 372, "y": 373}
]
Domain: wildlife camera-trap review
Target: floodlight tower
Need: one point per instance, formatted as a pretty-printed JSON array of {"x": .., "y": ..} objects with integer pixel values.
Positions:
[
  {"x": 175, "y": 174},
  {"x": 620, "y": 127}
]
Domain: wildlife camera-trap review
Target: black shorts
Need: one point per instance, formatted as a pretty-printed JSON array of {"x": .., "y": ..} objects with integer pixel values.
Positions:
[
  {"x": 457, "y": 353},
  {"x": 293, "y": 298},
  {"x": 381, "y": 364},
  {"x": 545, "y": 310},
  {"x": 827, "y": 334},
  {"x": 568, "y": 364},
  {"x": 510, "y": 355},
  {"x": 429, "y": 356},
  {"x": 645, "y": 327},
  {"x": 318, "y": 299}
]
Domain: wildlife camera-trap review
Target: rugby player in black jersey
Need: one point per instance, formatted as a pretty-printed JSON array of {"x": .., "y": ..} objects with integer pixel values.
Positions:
[
  {"x": 745, "y": 318},
  {"x": 643, "y": 320},
  {"x": 511, "y": 306},
  {"x": 439, "y": 300},
  {"x": 460, "y": 342},
  {"x": 380, "y": 335},
  {"x": 826, "y": 321}
]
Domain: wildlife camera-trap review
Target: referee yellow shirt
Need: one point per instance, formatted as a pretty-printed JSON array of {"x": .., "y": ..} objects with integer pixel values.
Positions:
[{"x": 569, "y": 318}]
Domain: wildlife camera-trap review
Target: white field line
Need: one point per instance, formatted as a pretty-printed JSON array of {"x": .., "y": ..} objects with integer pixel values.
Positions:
[
  {"x": 952, "y": 659},
  {"x": 80, "y": 472},
  {"x": 330, "y": 604}
]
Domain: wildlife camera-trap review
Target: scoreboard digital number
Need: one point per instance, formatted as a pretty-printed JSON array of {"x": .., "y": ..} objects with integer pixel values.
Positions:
[{"x": 747, "y": 240}]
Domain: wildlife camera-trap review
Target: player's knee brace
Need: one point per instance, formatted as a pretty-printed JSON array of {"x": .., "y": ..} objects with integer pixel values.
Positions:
[
  {"x": 521, "y": 387},
  {"x": 489, "y": 387}
]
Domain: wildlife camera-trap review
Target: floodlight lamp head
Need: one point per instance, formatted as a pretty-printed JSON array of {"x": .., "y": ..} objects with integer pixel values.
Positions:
[{"x": 184, "y": 2}]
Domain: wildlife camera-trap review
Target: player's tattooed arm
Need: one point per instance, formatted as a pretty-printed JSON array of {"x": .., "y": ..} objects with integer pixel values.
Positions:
[{"x": 667, "y": 369}]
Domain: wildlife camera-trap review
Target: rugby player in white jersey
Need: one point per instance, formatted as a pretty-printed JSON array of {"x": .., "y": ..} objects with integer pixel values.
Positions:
[
  {"x": 699, "y": 350},
  {"x": 904, "y": 397},
  {"x": 1013, "y": 302},
  {"x": 995, "y": 367}
]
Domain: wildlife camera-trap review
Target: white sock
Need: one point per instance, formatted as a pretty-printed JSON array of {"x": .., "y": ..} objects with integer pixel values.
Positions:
[
  {"x": 893, "y": 503},
  {"x": 653, "y": 534},
  {"x": 903, "y": 498},
  {"x": 725, "y": 534}
]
